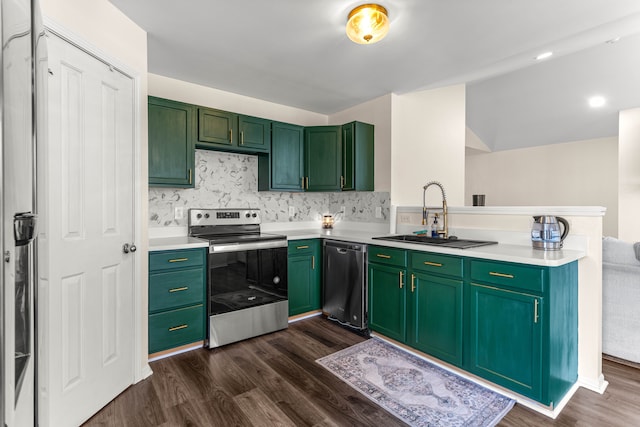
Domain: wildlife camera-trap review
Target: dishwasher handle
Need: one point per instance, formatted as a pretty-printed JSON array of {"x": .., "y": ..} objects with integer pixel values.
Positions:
[{"x": 341, "y": 251}]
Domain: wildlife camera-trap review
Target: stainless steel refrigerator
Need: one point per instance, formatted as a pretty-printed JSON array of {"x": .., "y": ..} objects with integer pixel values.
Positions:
[{"x": 18, "y": 214}]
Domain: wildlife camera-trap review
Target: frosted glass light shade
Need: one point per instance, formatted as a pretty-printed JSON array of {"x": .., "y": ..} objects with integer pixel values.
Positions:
[{"x": 368, "y": 24}]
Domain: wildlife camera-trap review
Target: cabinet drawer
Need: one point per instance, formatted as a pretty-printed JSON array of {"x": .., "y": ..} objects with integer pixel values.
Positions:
[
  {"x": 175, "y": 328},
  {"x": 435, "y": 263},
  {"x": 302, "y": 247},
  {"x": 172, "y": 289},
  {"x": 390, "y": 256},
  {"x": 175, "y": 259},
  {"x": 513, "y": 275}
]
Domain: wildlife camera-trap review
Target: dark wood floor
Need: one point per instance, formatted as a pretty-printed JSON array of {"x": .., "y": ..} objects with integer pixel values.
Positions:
[{"x": 274, "y": 380}]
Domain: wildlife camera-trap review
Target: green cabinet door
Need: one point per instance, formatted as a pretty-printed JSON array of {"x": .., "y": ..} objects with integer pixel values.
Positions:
[
  {"x": 255, "y": 133},
  {"x": 283, "y": 170},
  {"x": 387, "y": 300},
  {"x": 436, "y": 316},
  {"x": 216, "y": 129},
  {"x": 171, "y": 137},
  {"x": 506, "y": 338},
  {"x": 322, "y": 151},
  {"x": 304, "y": 276},
  {"x": 357, "y": 157}
]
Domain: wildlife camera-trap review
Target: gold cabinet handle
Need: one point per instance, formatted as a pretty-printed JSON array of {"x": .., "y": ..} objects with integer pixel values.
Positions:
[
  {"x": 383, "y": 256},
  {"x": 342, "y": 182},
  {"x": 179, "y": 260},
  {"x": 242, "y": 138},
  {"x": 313, "y": 262},
  {"x": 177, "y": 328},
  {"x": 184, "y": 288},
  {"x": 189, "y": 175},
  {"x": 413, "y": 282},
  {"x": 433, "y": 264},
  {"x": 508, "y": 276},
  {"x": 535, "y": 311},
  {"x": 303, "y": 247},
  {"x": 306, "y": 179},
  {"x": 401, "y": 277},
  {"x": 302, "y": 183},
  {"x": 231, "y": 136}
]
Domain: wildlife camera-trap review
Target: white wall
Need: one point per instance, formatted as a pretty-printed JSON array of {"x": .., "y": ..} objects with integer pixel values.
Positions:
[
  {"x": 581, "y": 173},
  {"x": 178, "y": 90},
  {"x": 378, "y": 113},
  {"x": 428, "y": 143},
  {"x": 629, "y": 175}
]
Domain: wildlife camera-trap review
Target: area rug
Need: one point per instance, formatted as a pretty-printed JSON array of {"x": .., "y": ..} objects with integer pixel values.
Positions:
[{"x": 414, "y": 390}]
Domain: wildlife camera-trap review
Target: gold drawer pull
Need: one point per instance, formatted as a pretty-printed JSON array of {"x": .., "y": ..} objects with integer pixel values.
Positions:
[
  {"x": 177, "y": 328},
  {"x": 184, "y": 288},
  {"x": 413, "y": 282},
  {"x": 383, "y": 256},
  {"x": 401, "y": 277},
  {"x": 303, "y": 247},
  {"x": 508, "y": 276},
  {"x": 179, "y": 260},
  {"x": 313, "y": 262},
  {"x": 433, "y": 264}
]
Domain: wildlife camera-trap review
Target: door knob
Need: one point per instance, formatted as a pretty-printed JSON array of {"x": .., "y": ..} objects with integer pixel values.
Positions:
[{"x": 126, "y": 248}]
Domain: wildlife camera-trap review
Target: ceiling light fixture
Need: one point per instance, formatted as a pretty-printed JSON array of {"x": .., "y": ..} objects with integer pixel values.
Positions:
[
  {"x": 543, "y": 56},
  {"x": 597, "y": 101},
  {"x": 367, "y": 24}
]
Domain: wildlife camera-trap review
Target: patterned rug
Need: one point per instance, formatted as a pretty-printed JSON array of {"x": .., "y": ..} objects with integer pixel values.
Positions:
[{"x": 414, "y": 390}]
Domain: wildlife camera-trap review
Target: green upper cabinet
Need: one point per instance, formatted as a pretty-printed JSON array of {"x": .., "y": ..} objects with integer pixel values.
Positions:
[
  {"x": 283, "y": 169},
  {"x": 222, "y": 130},
  {"x": 172, "y": 127},
  {"x": 323, "y": 156},
  {"x": 357, "y": 157}
]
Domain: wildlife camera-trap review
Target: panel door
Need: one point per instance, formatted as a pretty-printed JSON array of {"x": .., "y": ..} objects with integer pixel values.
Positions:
[
  {"x": 304, "y": 278},
  {"x": 171, "y": 135},
  {"x": 287, "y": 157},
  {"x": 255, "y": 133},
  {"x": 87, "y": 333},
  {"x": 216, "y": 128},
  {"x": 348, "y": 161},
  {"x": 387, "y": 301},
  {"x": 322, "y": 150},
  {"x": 506, "y": 339},
  {"x": 436, "y": 316}
]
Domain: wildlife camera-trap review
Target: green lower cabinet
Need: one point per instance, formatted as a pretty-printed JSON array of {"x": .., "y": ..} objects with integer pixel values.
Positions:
[
  {"x": 304, "y": 276},
  {"x": 523, "y": 327},
  {"x": 177, "y": 295},
  {"x": 506, "y": 338},
  {"x": 388, "y": 301},
  {"x": 436, "y": 316}
]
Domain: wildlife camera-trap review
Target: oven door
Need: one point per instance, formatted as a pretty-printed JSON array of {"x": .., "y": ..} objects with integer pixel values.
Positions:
[{"x": 245, "y": 278}]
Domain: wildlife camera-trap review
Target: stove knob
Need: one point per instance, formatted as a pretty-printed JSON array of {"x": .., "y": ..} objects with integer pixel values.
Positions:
[
  {"x": 206, "y": 215},
  {"x": 248, "y": 215},
  {"x": 199, "y": 216},
  {"x": 254, "y": 215}
]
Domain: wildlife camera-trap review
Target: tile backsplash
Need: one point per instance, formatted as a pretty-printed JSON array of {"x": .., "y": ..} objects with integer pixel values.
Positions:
[{"x": 229, "y": 180}]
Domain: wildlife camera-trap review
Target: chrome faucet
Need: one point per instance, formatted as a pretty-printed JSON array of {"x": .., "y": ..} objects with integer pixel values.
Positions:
[{"x": 445, "y": 231}]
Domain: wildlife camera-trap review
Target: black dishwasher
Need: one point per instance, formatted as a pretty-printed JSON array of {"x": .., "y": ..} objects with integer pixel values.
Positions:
[{"x": 344, "y": 294}]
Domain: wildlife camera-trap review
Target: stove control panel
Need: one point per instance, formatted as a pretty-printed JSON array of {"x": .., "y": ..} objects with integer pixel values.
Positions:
[{"x": 223, "y": 216}]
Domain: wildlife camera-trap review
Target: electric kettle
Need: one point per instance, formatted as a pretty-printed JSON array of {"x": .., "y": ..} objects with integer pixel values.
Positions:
[{"x": 545, "y": 232}]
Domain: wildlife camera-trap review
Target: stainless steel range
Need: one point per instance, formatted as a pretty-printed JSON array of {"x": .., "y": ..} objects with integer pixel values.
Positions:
[{"x": 247, "y": 277}]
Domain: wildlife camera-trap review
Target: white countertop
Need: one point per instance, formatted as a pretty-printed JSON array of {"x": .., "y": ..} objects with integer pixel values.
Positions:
[
  {"x": 500, "y": 252},
  {"x": 523, "y": 254},
  {"x": 174, "y": 243}
]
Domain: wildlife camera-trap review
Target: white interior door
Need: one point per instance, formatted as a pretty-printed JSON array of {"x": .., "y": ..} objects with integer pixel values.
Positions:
[{"x": 87, "y": 323}]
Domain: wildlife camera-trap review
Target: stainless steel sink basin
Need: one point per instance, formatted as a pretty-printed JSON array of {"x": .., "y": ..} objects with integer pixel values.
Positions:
[{"x": 434, "y": 241}]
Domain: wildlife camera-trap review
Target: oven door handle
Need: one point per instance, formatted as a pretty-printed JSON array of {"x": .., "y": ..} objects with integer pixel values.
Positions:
[{"x": 251, "y": 246}]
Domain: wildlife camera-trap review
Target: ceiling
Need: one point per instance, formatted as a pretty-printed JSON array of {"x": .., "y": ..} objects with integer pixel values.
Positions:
[{"x": 296, "y": 53}]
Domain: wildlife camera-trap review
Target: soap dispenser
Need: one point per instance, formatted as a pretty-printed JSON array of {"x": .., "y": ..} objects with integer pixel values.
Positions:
[{"x": 434, "y": 226}]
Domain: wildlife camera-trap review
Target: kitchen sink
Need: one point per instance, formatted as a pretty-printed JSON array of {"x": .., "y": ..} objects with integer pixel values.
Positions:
[{"x": 451, "y": 242}]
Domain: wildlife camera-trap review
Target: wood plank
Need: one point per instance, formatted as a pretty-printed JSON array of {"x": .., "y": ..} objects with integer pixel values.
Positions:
[{"x": 276, "y": 377}]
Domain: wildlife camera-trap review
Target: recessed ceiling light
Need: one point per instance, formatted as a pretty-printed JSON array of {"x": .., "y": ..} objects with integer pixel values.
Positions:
[
  {"x": 543, "y": 56},
  {"x": 597, "y": 101}
]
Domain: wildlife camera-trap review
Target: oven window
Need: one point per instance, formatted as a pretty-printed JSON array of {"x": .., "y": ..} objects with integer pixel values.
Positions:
[{"x": 239, "y": 280}]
